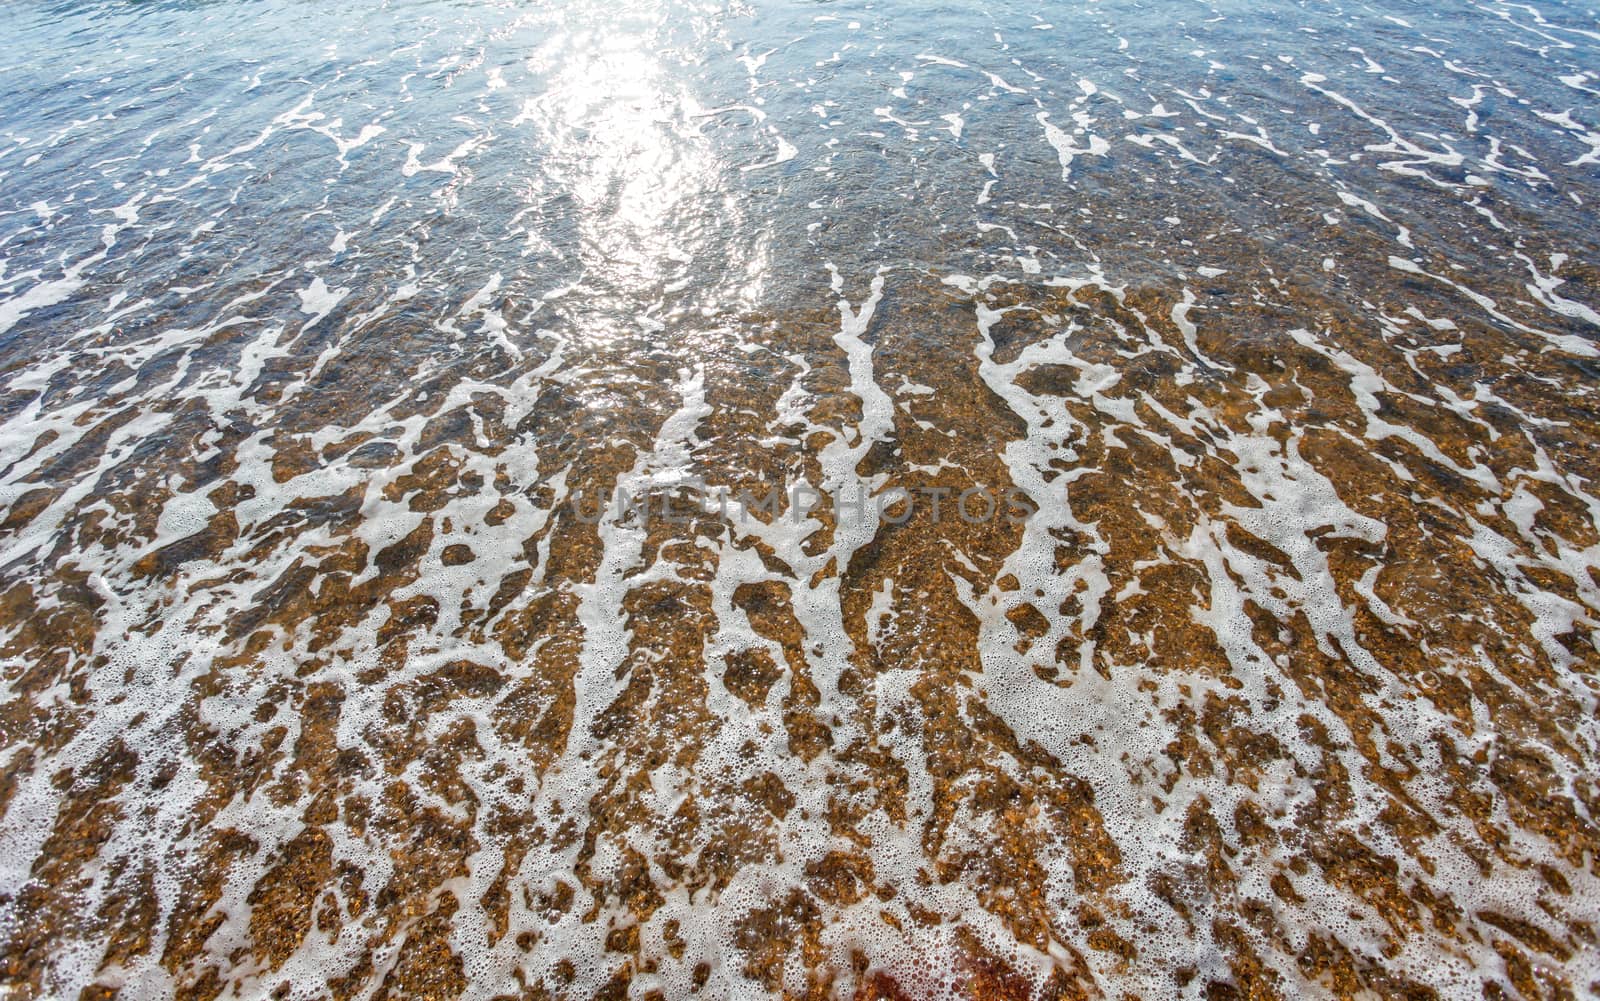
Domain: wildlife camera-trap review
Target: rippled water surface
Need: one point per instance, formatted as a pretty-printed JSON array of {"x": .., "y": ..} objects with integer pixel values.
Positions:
[{"x": 442, "y": 448}]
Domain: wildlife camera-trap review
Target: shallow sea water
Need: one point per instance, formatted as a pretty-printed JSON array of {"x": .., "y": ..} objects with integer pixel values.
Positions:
[{"x": 669, "y": 499}]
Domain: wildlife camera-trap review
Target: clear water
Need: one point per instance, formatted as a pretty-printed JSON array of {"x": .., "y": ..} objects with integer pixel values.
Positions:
[{"x": 1261, "y": 337}]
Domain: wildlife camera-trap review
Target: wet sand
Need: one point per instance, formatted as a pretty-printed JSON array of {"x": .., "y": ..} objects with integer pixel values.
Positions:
[{"x": 674, "y": 500}]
